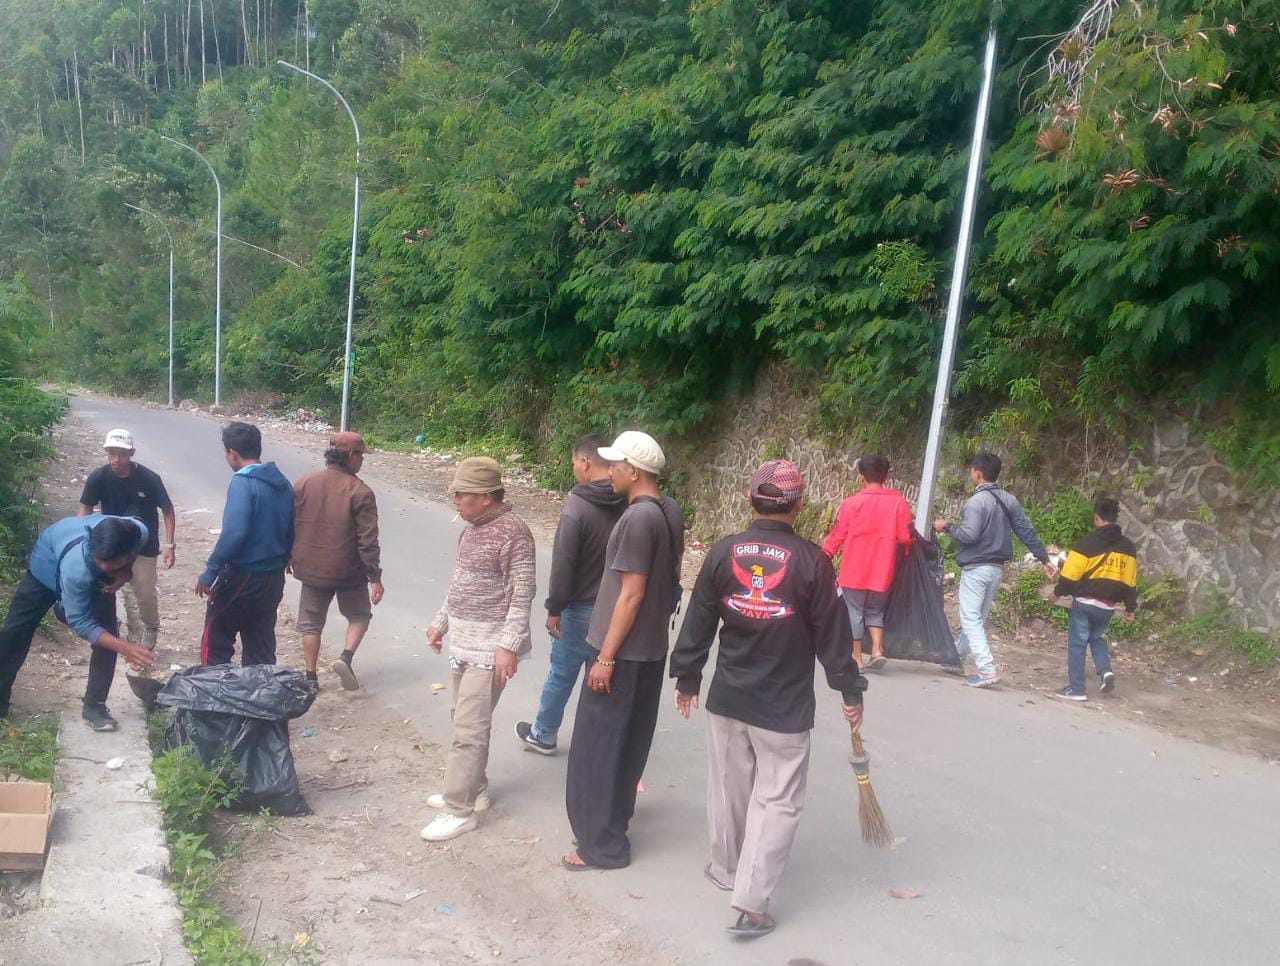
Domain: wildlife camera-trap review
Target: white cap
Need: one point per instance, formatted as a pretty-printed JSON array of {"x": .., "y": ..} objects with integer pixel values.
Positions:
[
  {"x": 118, "y": 439},
  {"x": 639, "y": 449}
]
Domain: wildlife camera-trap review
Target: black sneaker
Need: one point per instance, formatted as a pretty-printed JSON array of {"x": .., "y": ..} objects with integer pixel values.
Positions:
[
  {"x": 524, "y": 731},
  {"x": 97, "y": 717},
  {"x": 1108, "y": 682},
  {"x": 1070, "y": 694},
  {"x": 313, "y": 681}
]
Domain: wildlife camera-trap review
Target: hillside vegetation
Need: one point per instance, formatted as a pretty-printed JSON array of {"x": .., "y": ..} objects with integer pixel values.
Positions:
[{"x": 590, "y": 213}]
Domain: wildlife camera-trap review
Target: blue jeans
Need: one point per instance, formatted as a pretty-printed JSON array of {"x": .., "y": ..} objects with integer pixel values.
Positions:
[
  {"x": 568, "y": 654},
  {"x": 1087, "y": 630},
  {"x": 978, "y": 586}
]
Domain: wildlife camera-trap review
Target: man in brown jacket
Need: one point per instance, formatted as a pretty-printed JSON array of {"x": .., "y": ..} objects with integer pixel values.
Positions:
[{"x": 335, "y": 552}]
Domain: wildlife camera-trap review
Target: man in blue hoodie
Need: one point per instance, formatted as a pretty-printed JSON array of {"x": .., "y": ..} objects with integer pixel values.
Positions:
[
  {"x": 244, "y": 577},
  {"x": 78, "y": 564}
]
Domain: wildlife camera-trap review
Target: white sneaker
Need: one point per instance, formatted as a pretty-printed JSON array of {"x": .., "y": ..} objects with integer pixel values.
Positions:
[
  {"x": 447, "y": 826},
  {"x": 483, "y": 801}
]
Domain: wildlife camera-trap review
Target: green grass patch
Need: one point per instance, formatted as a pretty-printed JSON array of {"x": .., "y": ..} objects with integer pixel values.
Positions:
[
  {"x": 29, "y": 748},
  {"x": 1216, "y": 632},
  {"x": 1020, "y": 601},
  {"x": 189, "y": 793},
  {"x": 1063, "y": 520}
]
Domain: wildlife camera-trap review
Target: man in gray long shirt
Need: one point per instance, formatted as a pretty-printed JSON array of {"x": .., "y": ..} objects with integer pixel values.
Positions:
[{"x": 988, "y": 521}]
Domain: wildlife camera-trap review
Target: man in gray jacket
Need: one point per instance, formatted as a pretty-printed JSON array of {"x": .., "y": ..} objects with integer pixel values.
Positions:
[
  {"x": 988, "y": 521},
  {"x": 577, "y": 564}
]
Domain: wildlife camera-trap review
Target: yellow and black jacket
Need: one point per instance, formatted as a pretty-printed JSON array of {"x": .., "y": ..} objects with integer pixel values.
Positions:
[{"x": 1104, "y": 565}]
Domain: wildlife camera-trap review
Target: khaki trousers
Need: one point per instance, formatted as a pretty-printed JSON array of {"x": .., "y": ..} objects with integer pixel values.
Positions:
[
  {"x": 141, "y": 600},
  {"x": 475, "y": 695},
  {"x": 756, "y": 782}
]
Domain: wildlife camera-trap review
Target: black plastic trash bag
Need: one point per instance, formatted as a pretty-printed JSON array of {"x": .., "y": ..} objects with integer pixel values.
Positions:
[
  {"x": 242, "y": 713},
  {"x": 915, "y": 623}
]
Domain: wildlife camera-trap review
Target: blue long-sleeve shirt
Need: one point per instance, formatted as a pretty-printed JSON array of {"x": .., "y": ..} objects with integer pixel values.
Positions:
[
  {"x": 257, "y": 523},
  {"x": 75, "y": 579}
]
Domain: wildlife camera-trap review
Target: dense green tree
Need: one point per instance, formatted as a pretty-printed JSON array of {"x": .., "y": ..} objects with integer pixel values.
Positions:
[{"x": 592, "y": 213}]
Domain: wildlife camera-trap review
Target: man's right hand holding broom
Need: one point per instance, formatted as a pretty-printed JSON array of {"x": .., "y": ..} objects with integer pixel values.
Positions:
[{"x": 686, "y": 702}]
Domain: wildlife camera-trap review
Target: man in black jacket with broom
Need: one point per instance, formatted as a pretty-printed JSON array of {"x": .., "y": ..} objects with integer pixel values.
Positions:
[{"x": 772, "y": 594}]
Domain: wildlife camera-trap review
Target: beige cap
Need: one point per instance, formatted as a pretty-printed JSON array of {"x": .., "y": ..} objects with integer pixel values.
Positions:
[
  {"x": 477, "y": 474},
  {"x": 639, "y": 449}
]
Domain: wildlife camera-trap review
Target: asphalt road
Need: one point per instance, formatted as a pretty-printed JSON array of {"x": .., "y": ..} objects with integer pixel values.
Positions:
[{"x": 1037, "y": 833}]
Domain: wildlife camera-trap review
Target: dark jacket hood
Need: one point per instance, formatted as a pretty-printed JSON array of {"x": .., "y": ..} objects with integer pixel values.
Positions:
[
  {"x": 267, "y": 473},
  {"x": 1110, "y": 534},
  {"x": 600, "y": 493}
]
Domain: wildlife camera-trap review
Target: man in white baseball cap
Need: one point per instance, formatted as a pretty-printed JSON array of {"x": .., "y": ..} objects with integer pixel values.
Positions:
[
  {"x": 628, "y": 634},
  {"x": 639, "y": 449},
  {"x": 128, "y": 489}
]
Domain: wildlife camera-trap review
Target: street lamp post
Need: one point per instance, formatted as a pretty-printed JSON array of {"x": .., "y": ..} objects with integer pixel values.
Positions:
[
  {"x": 955, "y": 302},
  {"x": 217, "y": 312},
  {"x": 170, "y": 236},
  {"x": 355, "y": 236}
]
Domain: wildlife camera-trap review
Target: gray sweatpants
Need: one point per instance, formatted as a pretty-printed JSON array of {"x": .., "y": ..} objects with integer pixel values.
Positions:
[{"x": 756, "y": 782}]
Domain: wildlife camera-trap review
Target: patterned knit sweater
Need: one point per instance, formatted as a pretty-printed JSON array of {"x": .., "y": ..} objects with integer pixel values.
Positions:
[{"x": 491, "y": 592}]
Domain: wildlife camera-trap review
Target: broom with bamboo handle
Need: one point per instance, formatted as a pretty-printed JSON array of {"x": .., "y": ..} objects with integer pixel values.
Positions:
[{"x": 875, "y": 827}]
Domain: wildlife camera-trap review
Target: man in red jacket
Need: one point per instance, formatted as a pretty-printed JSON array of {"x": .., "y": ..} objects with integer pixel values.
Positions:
[{"x": 870, "y": 528}]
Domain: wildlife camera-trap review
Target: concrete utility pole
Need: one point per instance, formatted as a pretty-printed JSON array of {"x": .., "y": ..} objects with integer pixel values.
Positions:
[
  {"x": 959, "y": 277},
  {"x": 169, "y": 234},
  {"x": 217, "y": 312},
  {"x": 355, "y": 237}
]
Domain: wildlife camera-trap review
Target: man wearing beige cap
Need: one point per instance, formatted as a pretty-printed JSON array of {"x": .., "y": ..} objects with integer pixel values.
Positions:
[
  {"x": 618, "y": 703},
  {"x": 486, "y": 616},
  {"x": 336, "y": 553}
]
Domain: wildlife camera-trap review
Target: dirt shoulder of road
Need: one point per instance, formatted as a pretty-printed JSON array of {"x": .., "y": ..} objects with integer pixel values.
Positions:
[{"x": 353, "y": 882}]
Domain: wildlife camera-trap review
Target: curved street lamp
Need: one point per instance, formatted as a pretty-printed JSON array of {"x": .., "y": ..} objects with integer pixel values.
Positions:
[
  {"x": 217, "y": 312},
  {"x": 355, "y": 235},
  {"x": 170, "y": 236}
]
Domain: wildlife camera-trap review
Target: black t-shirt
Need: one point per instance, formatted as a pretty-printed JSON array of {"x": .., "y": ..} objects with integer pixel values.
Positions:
[{"x": 141, "y": 494}]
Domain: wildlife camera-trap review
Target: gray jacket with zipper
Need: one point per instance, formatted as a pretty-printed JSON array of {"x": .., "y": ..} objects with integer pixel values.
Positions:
[{"x": 988, "y": 521}]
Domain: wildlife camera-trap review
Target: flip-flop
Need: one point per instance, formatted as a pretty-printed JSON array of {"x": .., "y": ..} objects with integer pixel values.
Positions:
[
  {"x": 877, "y": 662},
  {"x": 576, "y": 866},
  {"x": 747, "y": 929},
  {"x": 714, "y": 881}
]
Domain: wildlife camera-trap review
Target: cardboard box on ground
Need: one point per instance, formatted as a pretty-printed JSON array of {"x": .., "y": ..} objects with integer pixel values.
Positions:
[{"x": 26, "y": 809}]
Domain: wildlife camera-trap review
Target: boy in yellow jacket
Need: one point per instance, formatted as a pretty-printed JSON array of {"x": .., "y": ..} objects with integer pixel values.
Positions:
[{"x": 1101, "y": 576}]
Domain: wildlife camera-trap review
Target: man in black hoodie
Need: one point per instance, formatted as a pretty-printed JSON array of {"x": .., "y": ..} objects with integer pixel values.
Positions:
[{"x": 577, "y": 563}]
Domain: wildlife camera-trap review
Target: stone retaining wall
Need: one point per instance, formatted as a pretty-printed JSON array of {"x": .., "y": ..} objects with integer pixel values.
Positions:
[{"x": 1189, "y": 515}]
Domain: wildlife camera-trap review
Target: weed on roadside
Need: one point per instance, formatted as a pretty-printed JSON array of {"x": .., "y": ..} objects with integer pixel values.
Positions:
[
  {"x": 29, "y": 748},
  {"x": 1215, "y": 633},
  {"x": 1021, "y": 602},
  {"x": 157, "y": 723},
  {"x": 189, "y": 793}
]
